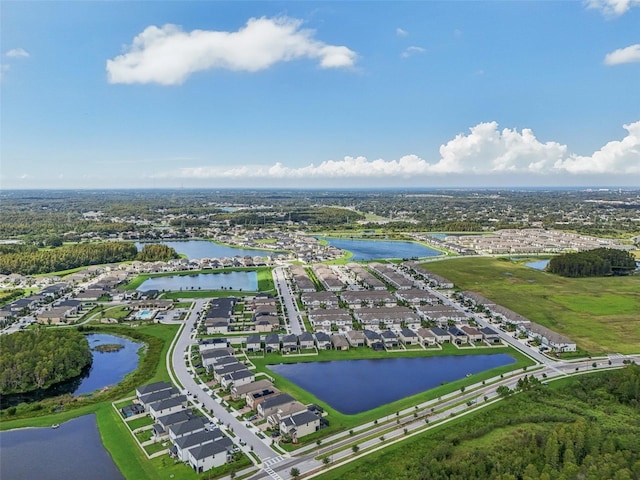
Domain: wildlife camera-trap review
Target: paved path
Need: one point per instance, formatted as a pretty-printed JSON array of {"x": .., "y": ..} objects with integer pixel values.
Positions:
[
  {"x": 295, "y": 324},
  {"x": 185, "y": 339}
]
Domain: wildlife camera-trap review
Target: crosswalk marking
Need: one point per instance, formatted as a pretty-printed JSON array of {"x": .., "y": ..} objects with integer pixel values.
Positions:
[
  {"x": 272, "y": 474},
  {"x": 272, "y": 461}
]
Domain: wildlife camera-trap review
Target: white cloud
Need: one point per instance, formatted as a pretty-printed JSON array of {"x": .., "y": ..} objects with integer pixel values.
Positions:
[
  {"x": 17, "y": 53},
  {"x": 615, "y": 157},
  {"x": 412, "y": 50},
  {"x": 168, "y": 55},
  {"x": 628, "y": 54},
  {"x": 401, "y": 32},
  {"x": 485, "y": 150},
  {"x": 613, "y": 8}
]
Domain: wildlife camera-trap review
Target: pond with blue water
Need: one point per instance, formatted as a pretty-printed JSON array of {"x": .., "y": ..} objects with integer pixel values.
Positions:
[
  {"x": 363, "y": 250},
  {"x": 107, "y": 369},
  {"x": 246, "y": 281},
  {"x": 538, "y": 264},
  {"x": 354, "y": 386},
  {"x": 73, "y": 450},
  {"x": 196, "y": 249}
]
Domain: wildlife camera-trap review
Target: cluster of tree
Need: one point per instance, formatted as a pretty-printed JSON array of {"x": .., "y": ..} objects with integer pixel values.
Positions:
[
  {"x": 599, "y": 262},
  {"x": 67, "y": 257},
  {"x": 156, "y": 252},
  {"x": 587, "y": 429},
  {"x": 40, "y": 358}
]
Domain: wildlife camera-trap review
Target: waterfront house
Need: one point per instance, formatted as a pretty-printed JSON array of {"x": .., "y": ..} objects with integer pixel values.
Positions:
[
  {"x": 289, "y": 343},
  {"x": 389, "y": 339},
  {"x": 306, "y": 341},
  {"x": 356, "y": 338},
  {"x": 239, "y": 391},
  {"x": 426, "y": 336},
  {"x": 165, "y": 407},
  {"x": 272, "y": 343},
  {"x": 339, "y": 342},
  {"x": 323, "y": 341},
  {"x": 254, "y": 343},
  {"x": 409, "y": 337}
]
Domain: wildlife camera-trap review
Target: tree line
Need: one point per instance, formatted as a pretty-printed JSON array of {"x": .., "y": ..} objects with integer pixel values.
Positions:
[
  {"x": 40, "y": 358},
  {"x": 599, "y": 262},
  {"x": 29, "y": 261},
  {"x": 587, "y": 429}
]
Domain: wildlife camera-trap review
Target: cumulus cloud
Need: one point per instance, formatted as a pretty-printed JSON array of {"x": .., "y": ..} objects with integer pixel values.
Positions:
[
  {"x": 484, "y": 150},
  {"x": 17, "y": 53},
  {"x": 628, "y": 54},
  {"x": 401, "y": 32},
  {"x": 168, "y": 55},
  {"x": 613, "y": 8},
  {"x": 615, "y": 157},
  {"x": 412, "y": 50}
]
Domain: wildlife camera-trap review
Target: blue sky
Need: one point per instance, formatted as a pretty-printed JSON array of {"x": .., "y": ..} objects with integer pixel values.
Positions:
[{"x": 319, "y": 94}]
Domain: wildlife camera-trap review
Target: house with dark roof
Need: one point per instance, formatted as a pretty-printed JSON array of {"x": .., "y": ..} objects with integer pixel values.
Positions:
[
  {"x": 240, "y": 377},
  {"x": 191, "y": 426},
  {"x": 132, "y": 410},
  {"x": 210, "y": 455},
  {"x": 299, "y": 424},
  {"x": 254, "y": 343},
  {"x": 182, "y": 445},
  {"x": 323, "y": 341},
  {"x": 271, "y": 406},
  {"x": 165, "y": 407},
  {"x": 306, "y": 341},
  {"x": 161, "y": 427},
  {"x": 152, "y": 387},
  {"x": 389, "y": 339},
  {"x": 289, "y": 343},
  {"x": 409, "y": 337},
  {"x": 458, "y": 337},
  {"x": 442, "y": 336},
  {"x": 146, "y": 400},
  {"x": 222, "y": 370},
  {"x": 256, "y": 398},
  {"x": 272, "y": 343},
  {"x": 212, "y": 344},
  {"x": 373, "y": 340},
  {"x": 490, "y": 335}
]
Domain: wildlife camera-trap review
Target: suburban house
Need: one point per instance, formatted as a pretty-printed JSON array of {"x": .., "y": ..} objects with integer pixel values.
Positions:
[
  {"x": 299, "y": 424},
  {"x": 320, "y": 299},
  {"x": 256, "y": 398},
  {"x": 215, "y": 357},
  {"x": 373, "y": 340},
  {"x": 389, "y": 339},
  {"x": 146, "y": 400},
  {"x": 473, "y": 333},
  {"x": 193, "y": 425},
  {"x": 326, "y": 318},
  {"x": 266, "y": 323},
  {"x": 356, "y": 338},
  {"x": 239, "y": 391},
  {"x": 442, "y": 336},
  {"x": 551, "y": 339},
  {"x": 212, "y": 344},
  {"x": 222, "y": 370},
  {"x": 271, "y": 406},
  {"x": 272, "y": 343},
  {"x": 241, "y": 377},
  {"x": 457, "y": 336},
  {"x": 161, "y": 427},
  {"x": 152, "y": 388},
  {"x": 182, "y": 445},
  {"x": 165, "y": 407},
  {"x": 490, "y": 335},
  {"x": 426, "y": 336},
  {"x": 289, "y": 343},
  {"x": 210, "y": 455},
  {"x": 323, "y": 341},
  {"x": 254, "y": 343},
  {"x": 339, "y": 342},
  {"x": 409, "y": 337},
  {"x": 306, "y": 341},
  {"x": 417, "y": 296}
]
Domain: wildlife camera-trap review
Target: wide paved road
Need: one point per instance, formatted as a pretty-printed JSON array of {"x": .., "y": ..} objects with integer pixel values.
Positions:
[
  {"x": 178, "y": 360},
  {"x": 291, "y": 309}
]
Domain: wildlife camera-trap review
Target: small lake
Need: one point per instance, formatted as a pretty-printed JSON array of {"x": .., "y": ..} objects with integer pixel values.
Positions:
[
  {"x": 108, "y": 368},
  {"x": 538, "y": 264},
  {"x": 73, "y": 450},
  {"x": 247, "y": 281},
  {"x": 380, "y": 249},
  {"x": 196, "y": 249},
  {"x": 354, "y": 386}
]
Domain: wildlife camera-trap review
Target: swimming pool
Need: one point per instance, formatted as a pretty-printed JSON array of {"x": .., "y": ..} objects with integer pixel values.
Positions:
[{"x": 145, "y": 314}]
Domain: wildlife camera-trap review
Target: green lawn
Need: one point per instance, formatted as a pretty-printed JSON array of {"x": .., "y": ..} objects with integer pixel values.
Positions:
[{"x": 600, "y": 314}]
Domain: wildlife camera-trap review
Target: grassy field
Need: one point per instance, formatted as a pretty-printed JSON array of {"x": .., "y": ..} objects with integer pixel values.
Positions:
[
  {"x": 601, "y": 314},
  {"x": 340, "y": 421}
]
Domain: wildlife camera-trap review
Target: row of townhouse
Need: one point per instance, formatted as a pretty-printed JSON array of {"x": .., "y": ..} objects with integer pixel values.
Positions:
[
  {"x": 226, "y": 368},
  {"x": 195, "y": 441},
  {"x": 365, "y": 277},
  {"x": 301, "y": 279},
  {"x": 434, "y": 280},
  {"x": 280, "y": 410},
  {"x": 550, "y": 339},
  {"x": 394, "y": 277},
  {"x": 328, "y": 278}
]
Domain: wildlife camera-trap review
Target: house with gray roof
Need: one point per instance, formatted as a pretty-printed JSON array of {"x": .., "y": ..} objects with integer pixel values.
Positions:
[
  {"x": 183, "y": 444},
  {"x": 210, "y": 455},
  {"x": 299, "y": 425},
  {"x": 165, "y": 407},
  {"x": 152, "y": 387},
  {"x": 191, "y": 426}
]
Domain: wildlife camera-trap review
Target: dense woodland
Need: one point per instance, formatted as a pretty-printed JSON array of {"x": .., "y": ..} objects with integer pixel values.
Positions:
[
  {"x": 588, "y": 429},
  {"x": 599, "y": 262},
  {"x": 40, "y": 358},
  {"x": 29, "y": 260}
]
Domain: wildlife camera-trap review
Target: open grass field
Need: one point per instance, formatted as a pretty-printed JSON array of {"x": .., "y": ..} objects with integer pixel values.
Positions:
[{"x": 601, "y": 314}]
